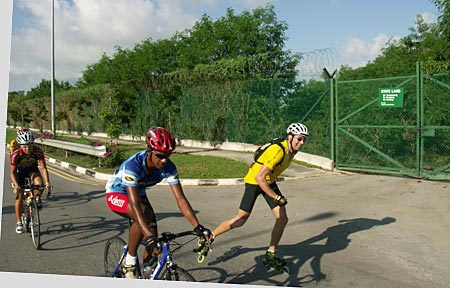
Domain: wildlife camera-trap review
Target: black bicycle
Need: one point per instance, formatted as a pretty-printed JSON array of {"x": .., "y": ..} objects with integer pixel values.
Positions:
[
  {"x": 164, "y": 267},
  {"x": 30, "y": 216}
]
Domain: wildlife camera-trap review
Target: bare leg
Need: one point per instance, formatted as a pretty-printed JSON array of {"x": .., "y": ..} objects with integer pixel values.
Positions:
[
  {"x": 149, "y": 214},
  {"x": 134, "y": 239},
  {"x": 36, "y": 179},
  {"x": 18, "y": 206},
  {"x": 281, "y": 221},
  {"x": 229, "y": 224},
  {"x": 135, "y": 235}
]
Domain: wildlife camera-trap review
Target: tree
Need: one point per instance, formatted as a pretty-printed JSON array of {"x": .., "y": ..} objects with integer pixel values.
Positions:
[
  {"x": 41, "y": 113},
  {"x": 43, "y": 89},
  {"x": 117, "y": 111},
  {"x": 443, "y": 41},
  {"x": 18, "y": 113}
]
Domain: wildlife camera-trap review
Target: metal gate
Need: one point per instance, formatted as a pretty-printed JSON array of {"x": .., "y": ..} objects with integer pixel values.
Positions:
[{"x": 397, "y": 125}]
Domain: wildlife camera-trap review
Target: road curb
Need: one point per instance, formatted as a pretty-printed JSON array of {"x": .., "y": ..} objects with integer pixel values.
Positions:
[{"x": 184, "y": 182}]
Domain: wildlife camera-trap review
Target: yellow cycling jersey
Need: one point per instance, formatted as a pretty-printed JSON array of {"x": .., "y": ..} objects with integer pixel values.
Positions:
[{"x": 270, "y": 158}]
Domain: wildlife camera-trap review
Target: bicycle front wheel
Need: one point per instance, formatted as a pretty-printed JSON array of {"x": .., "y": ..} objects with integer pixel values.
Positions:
[
  {"x": 176, "y": 273},
  {"x": 113, "y": 254},
  {"x": 35, "y": 224}
]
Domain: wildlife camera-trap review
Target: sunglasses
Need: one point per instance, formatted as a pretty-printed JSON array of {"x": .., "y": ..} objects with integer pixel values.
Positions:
[
  {"x": 160, "y": 155},
  {"x": 26, "y": 146},
  {"x": 300, "y": 138}
]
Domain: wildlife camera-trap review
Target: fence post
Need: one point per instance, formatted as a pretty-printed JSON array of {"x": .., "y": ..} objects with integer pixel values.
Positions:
[
  {"x": 419, "y": 120},
  {"x": 332, "y": 142}
]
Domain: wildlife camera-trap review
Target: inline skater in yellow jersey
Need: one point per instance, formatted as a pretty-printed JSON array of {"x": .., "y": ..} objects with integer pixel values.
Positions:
[
  {"x": 13, "y": 145},
  {"x": 261, "y": 180}
]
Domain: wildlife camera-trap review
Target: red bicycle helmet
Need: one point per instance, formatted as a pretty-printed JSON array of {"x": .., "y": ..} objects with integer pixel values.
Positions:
[{"x": 160, "y": 140}]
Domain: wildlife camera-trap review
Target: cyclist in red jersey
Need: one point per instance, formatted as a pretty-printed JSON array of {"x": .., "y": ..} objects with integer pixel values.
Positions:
[{"x": 25, "y": 163}]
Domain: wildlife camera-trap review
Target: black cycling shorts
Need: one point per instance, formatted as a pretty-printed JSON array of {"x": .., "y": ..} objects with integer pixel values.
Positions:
[
  {"x": 23, "y": 174},
  {"x": 252, "y": 192}
]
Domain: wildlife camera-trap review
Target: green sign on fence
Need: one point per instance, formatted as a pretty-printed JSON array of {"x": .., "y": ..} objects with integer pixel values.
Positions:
[{"x": 390, "y": 97}]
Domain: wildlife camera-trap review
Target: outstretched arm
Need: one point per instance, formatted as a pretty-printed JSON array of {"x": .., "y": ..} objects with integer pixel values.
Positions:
[{"x": 184, "y": 205}]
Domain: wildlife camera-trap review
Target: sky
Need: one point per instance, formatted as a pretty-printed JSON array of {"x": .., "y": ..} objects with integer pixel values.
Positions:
[{"x": 328, "y": 33}]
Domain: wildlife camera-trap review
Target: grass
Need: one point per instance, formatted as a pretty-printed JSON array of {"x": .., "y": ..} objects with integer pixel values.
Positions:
[{"x": 189, "y": 166}]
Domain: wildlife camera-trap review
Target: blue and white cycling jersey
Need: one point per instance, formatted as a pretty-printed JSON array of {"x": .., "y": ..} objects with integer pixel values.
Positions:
[{"x": 133, "y": 172}]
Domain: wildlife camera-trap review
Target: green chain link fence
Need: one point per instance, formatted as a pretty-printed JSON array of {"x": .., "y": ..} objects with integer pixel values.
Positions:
[{"x": 345, "y": 120}]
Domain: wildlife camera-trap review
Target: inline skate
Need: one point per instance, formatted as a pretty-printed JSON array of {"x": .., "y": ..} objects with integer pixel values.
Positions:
[{"x": 274, "y": 262}]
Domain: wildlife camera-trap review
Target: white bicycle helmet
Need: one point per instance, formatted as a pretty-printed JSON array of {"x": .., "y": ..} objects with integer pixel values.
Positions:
[
  {"x": 25, "y": 137},
  {"x": 297, "y": 129}
]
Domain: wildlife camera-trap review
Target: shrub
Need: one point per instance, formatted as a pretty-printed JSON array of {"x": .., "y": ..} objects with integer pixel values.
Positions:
[
  {"x": 113, "y": 157},
  {"x": 46, "y": 135}
]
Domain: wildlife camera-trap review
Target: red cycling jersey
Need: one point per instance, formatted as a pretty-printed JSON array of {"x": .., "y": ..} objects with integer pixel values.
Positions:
[{"x": 23, "y": 162}]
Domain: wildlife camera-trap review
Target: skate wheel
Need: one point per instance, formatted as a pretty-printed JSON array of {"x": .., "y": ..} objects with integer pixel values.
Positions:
[
  {"x": 201, "y": 258},
  {"x": 268, "y": 265},
  {"x": 286, "y": 270}
]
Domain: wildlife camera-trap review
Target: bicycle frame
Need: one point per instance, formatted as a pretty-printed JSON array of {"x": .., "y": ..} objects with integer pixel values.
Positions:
[
  {"x": 166, "y": 257},
  {"x": 29, "y": 189},
  {"x": 125, "y": 251},
  {"x": 30, "y": 217}
]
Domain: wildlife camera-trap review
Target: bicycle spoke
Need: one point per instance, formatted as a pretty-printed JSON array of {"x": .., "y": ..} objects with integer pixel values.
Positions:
[
  {"x": 114, "y": 250},
  {"x": 176, "y": 273}
]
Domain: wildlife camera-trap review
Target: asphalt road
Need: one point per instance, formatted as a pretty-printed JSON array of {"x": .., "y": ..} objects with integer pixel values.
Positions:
[{"x": 345, "y": 230}]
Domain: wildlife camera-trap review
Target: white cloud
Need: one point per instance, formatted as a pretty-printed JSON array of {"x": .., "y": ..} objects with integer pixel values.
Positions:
[
  {"x": 84, "y": 29},
  {"x": 356, "y": 51},
  {"x": 429, "y": 17}
]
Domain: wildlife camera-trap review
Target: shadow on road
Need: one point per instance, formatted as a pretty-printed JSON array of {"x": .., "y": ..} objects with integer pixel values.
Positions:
[
  {"x": 73, "y": 230},
  {"x": 336, "y": 239}
]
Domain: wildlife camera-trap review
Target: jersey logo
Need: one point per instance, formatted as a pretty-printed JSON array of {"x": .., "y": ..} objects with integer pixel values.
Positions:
[{"x": 128, "y": 178}]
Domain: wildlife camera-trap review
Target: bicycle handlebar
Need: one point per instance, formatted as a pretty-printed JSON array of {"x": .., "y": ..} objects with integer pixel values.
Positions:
[
  {"x": 28, "y": 188},
  {"x": 33, "y": 187},
  {"x": 169, "y": 236}
]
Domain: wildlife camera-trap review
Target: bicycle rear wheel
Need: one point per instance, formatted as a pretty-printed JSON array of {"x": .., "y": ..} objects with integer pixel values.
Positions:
[
  {"x": 176, "y": 273},
  {"x": 35, "y": 224},
  {"x": 114, "y": 251}
]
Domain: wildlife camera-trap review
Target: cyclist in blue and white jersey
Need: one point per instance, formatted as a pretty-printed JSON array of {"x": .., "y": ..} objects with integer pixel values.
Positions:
[{"x": 126, "y": 195}]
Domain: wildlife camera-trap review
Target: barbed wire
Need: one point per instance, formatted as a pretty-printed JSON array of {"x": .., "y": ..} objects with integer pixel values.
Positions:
[{"x": 313, "y": 62}]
